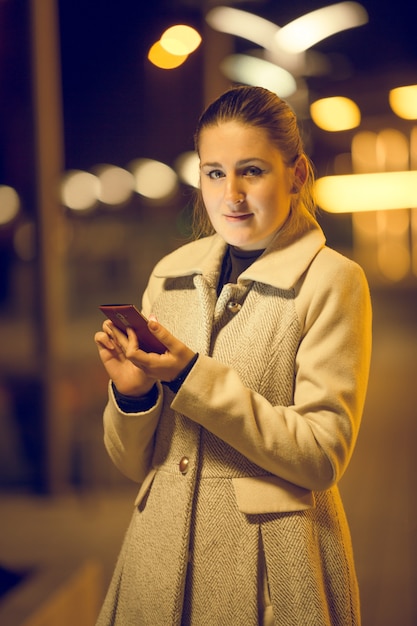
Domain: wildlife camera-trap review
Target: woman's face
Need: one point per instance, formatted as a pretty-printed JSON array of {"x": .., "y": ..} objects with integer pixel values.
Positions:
[{"x": 246, "y": 186}]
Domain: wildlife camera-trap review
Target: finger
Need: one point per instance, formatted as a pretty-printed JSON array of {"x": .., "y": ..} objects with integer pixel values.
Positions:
[
  {"x": 132, "y": 340},
  {"x": 103, "y": 340},
  {"x": 119, "y": 337}
]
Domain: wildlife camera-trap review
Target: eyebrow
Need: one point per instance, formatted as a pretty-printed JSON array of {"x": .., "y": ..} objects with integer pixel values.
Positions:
[{"x": 238, "y": 164}]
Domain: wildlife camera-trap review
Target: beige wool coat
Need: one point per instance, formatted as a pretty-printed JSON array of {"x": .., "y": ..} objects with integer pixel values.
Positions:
[{"x": 238, "y": 471}]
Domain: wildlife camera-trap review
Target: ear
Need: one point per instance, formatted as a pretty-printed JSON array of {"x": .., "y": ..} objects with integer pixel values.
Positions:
[{"x": 300, "y": 174}]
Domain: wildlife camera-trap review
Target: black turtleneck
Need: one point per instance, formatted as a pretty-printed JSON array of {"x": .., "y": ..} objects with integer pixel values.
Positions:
[{"x": 235, "y": 262}]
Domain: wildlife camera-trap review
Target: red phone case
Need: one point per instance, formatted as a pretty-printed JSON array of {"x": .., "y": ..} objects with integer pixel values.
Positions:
[{"x": 124, "y": 315}]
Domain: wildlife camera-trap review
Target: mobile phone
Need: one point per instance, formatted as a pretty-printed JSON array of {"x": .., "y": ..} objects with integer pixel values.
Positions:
[{"x": 127, "y": 315}]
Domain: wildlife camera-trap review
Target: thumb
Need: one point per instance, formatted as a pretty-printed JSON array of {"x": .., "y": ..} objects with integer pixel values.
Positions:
[{"x": 161, "y": 333}]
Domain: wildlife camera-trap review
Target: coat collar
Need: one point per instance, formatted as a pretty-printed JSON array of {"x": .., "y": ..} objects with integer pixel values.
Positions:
[{"x": 281, "y": 265}]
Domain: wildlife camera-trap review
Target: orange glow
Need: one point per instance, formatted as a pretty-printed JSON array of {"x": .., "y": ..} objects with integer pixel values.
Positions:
[
  {"x": 403, "y": 101},
  {"x": 164, "y": 59},
  {"x": 335, "y": 114}
]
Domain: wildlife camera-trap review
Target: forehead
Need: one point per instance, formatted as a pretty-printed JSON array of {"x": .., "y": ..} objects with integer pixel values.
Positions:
[{"x": 229, "y": 137}]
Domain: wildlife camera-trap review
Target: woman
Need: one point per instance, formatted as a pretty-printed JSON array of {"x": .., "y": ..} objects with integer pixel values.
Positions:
[{"x": 240, "y": 432}]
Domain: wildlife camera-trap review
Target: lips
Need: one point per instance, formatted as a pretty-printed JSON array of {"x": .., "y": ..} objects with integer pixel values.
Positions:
[{"x": 237, "y": 217}]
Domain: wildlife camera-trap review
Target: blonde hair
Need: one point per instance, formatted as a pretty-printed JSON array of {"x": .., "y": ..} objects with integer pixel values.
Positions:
[{"x": 259, "y": 107}]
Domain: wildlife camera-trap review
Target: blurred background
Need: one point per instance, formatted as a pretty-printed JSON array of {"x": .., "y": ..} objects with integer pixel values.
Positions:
[{"x": 97, "y": 172}]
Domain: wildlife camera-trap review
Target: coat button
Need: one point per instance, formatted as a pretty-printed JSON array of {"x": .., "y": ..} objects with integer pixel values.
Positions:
[
  {"x": 183, "y": 464},
  {"x": 234, "y": 307}
]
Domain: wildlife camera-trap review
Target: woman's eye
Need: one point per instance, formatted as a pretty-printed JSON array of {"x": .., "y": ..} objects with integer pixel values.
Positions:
[
  {"x": 214, "y": 174},
  {"x": 252, "y": 171}
]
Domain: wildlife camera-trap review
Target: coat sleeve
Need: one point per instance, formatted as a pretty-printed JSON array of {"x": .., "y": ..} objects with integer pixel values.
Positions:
[
  {"x": 310, "y": 442},
  {"x": 129, "y": 437}
]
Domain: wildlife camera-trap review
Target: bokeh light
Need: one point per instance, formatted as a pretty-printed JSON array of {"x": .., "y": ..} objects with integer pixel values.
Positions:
[
  {"x": 367, "y": 192},
  {"x": 116, "y": 184},
  {"x": 188, "y": 168},
  {"x": 153, "y": 179},
  {"x": 392, "y": 150},
  {"x": 164, "y": 59},
  {"x": 307, "y": 30},
  {"x": 80, "y": 190},
  {"x": 242, "y": 24},
  {"x": 335, "y": 114},
  {"x": 250, "y": 70},
  {"x": 180, "y": 40},
  {"x": 9, "y": 204},
  {"x": 403, "y": 101}
]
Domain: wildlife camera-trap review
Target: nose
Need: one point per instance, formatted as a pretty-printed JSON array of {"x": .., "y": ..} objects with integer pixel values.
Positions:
[{"x": 234, "y": 194}]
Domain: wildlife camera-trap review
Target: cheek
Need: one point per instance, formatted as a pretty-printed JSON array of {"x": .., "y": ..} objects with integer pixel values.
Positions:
[{"x": 209, "y": 196}]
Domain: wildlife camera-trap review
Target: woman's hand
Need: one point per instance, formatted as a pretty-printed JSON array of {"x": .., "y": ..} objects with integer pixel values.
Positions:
[{"x": 134, "y": 371}]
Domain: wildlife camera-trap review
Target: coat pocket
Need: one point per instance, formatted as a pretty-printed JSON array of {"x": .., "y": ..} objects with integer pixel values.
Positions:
[
  {"x": 270, "y": 494},
  {"x": 145, "y": 486}
]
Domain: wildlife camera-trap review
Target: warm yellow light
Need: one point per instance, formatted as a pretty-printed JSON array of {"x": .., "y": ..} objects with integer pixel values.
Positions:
[
  {"x": 180, "y": 40},
  {"x": 364, "y": 152},
  {"x": 392, "y": 149},
  {"x": 9, "y": 204},
  {"x": 164, "y": 59},
  {"x": 413, "y": 148},
  {"x": 335, "y": 114},
  {"x": 309, "y": 29},
  {"x": 403, "y": 101},
  {"x": 367, "y": 192}
]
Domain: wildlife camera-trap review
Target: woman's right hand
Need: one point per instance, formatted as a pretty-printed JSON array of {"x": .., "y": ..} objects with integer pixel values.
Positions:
[{"x": 129, "y": 379}]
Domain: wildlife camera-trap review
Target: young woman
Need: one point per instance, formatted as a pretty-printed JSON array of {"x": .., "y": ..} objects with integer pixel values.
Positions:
[{"x": 239, "y": 433}]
